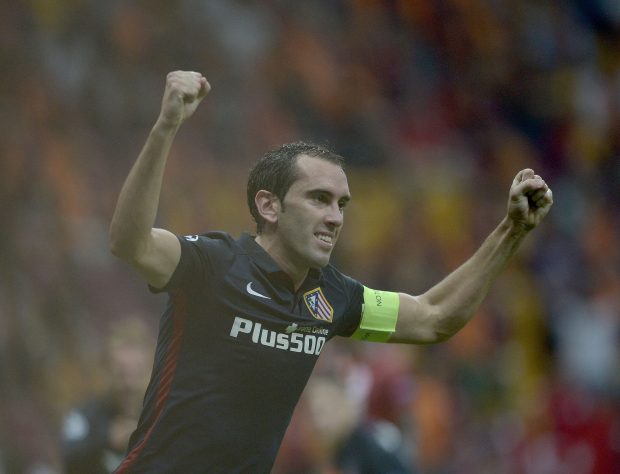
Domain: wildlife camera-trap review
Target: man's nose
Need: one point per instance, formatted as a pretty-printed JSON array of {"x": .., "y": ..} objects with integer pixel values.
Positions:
[{"x": 334, "y": 217}]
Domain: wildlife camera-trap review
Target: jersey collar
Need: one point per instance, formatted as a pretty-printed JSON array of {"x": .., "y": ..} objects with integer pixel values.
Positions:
[{"x": 269, "y": 265}]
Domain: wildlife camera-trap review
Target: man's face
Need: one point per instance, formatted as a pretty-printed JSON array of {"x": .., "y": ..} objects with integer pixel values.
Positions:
[
  {"x": 130, "y": 366},
  {"x": 312, "y": 216}
]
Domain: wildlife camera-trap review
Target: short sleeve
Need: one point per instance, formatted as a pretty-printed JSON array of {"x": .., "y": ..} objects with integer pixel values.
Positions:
[
  {"x": 201, "y": 258},
  {"x": 354, "y": 292}
]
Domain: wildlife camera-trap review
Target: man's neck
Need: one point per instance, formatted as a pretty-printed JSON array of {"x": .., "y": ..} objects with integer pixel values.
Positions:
[{"x": 274, "y": 249}]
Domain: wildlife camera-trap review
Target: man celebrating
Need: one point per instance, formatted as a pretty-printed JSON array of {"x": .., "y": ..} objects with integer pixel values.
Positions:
[{"x": 248, "y": 317}]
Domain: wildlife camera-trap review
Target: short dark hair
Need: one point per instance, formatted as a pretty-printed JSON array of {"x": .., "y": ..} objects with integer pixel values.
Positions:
[{"x": 276, "y": 171}]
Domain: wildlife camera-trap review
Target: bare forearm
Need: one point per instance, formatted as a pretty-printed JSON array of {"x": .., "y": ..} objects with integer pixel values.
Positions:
[
  {"x": 456, "y": 299},
  {"x": 444, "y": 309},
  {"x": 137, "y": 204}
]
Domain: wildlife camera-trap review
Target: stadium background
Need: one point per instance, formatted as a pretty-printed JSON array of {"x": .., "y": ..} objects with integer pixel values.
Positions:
[{"x": 435, "y": 104}]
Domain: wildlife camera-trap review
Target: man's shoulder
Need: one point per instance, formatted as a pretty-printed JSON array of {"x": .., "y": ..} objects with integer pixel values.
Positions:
[
  {"x": 216, "y": 240},
  {"x": 214, "y": 235},
  {"x": 333, "y": 275},
  {"x": 214, "y": 250}
]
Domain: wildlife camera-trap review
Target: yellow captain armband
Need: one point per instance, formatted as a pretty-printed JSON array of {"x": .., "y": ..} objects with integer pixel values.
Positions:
[{"x": 379, "y": 316}]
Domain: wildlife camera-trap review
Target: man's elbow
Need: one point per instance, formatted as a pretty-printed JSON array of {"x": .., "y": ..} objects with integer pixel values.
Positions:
[
  {"x": 448, "y": 327},
  {"x": 422, "y": 338},
  {"x": 119, "y": 251},
  {"x": 121, "y": 248},
  {"x": 444, "y": 324},
  {"x": 442, "y": 336}
]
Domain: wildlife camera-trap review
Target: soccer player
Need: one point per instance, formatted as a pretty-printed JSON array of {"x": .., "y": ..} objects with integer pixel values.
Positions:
[{"x": 247, "y": 318}]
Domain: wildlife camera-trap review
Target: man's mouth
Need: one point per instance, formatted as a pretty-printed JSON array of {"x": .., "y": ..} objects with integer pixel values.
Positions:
[{"x": 326, "y": 238}]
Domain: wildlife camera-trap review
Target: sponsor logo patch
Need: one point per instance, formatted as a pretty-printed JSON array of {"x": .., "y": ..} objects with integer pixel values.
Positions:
[
  {"x": 318, "y": 305},
  {"x": 245, "y": 329}
]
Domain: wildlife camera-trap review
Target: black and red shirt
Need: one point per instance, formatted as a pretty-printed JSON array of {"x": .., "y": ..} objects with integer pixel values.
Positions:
[{"x": 236, "y": 347}]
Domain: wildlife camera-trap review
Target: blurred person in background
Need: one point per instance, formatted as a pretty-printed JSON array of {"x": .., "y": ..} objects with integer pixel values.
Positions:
[
  {"x": 94, "y": 435},
  {"x": 247, "y": 318},
  {"x": 345, "y": 441}
]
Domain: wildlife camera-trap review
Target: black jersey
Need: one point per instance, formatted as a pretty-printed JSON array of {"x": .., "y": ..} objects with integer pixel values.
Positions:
[{"x": 236, "y": 347}]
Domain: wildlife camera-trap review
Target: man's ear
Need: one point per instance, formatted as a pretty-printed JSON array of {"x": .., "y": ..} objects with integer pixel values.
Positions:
[{"x": 268, "y": 206}]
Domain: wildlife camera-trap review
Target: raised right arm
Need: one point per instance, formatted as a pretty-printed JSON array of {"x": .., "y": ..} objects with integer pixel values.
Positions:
[{"x": 154, "y": 253}]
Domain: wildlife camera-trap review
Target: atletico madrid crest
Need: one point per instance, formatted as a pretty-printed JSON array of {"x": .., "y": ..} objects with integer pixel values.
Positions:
[{"x": 318, "y": 305}]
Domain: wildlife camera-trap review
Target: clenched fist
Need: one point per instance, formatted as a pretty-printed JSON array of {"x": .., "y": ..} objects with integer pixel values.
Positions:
[
  {"x": 529, "y": 201},
  {"x": 184, "y": 91}
]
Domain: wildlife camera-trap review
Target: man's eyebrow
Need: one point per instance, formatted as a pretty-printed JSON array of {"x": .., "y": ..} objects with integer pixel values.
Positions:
[{"x": 345, "y": 198}]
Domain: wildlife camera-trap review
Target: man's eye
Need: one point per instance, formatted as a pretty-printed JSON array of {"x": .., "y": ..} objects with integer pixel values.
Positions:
[{"x": 321, "y": 198}]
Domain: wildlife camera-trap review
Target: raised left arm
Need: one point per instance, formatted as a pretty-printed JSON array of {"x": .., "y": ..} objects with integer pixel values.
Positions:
[{"x": 443, "y": 310}]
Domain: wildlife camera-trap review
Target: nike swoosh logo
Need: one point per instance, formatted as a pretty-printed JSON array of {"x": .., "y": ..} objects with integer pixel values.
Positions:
[{"x": 255, "y": 293}]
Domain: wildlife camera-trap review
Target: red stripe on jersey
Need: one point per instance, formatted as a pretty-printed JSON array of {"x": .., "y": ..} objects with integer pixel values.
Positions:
[{"x": 165, "y": 381}]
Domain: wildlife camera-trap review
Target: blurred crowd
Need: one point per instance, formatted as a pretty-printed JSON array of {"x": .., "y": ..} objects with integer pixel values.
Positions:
[{"x": 435, "y": 104}]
